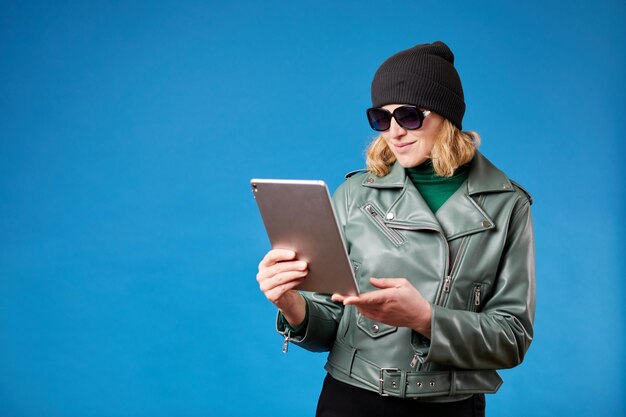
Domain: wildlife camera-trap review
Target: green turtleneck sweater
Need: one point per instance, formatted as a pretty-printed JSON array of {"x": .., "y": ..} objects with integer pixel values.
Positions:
[{"x": 434, "y": 189}]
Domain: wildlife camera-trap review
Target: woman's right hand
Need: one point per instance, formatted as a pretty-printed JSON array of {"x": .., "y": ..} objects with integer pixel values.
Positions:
[{"x": 279, "y": 273}]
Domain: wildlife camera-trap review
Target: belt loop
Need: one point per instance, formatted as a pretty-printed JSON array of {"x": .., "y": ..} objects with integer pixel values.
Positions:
[
  {"x": 452, "y": 382},
  {"x": 403, "y": 384},
  {"x": 351, "y": 364}
]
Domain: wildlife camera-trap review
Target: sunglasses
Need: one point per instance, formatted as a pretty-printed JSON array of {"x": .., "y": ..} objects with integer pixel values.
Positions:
[{"x": 408, "y": 117}]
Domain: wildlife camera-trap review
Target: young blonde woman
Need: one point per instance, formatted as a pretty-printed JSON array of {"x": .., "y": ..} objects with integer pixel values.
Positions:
[{"x": 442, "y": 245}]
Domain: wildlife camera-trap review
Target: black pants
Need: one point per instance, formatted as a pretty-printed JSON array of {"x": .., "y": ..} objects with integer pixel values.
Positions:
[{"x": 338, "y": 399}]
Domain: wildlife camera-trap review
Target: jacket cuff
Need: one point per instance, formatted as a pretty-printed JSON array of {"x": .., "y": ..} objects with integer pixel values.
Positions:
[
  {"x": 439, "y": 313},
  {"x": 420, "y": 343},
  {"x": 282, "y": 323},
  {"x": 318, "y": 330}
]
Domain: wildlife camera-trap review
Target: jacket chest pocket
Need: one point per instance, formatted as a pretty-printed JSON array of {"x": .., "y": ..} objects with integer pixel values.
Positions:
[
  {"x": 373, "y": 328},
  {"x": 377, "y": 217}
]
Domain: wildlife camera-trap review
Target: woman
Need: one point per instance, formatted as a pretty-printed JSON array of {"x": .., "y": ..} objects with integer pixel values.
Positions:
[{"x": 442, "y": 246}]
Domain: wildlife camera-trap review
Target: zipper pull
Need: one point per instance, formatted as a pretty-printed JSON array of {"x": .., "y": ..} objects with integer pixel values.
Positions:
[
  {"x": 414, "y": 361},
  {"x": 477, "y": 295},
  {"x": 445, "y": 290},
  {"x": 286, "y": 342}
]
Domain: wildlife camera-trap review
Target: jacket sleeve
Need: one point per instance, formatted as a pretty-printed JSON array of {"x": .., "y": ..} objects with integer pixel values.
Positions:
[
  {"x": 498, "y": 336},
  {"x": 324, "y": 314}
]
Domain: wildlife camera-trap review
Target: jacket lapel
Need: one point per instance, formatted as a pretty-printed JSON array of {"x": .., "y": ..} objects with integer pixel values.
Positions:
[
  {"x": 462, "y": 214},
  {"x": 409, "y": 210}
]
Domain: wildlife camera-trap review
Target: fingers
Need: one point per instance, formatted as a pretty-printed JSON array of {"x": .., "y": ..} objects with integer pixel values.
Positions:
[
  {"x": 279, "y": 273},
  {"x": 388, "y": 282},
  {"x": 282, "y": 278},
  {"x": 370, "y": 298},
  {"x": 276, "y": 255},
  {"x": 387, "y": 292},
  {"x": 279, "y": 268},
  {"x": 364, "y": 308},
  {"x": 276, "y": 294},
  {"x": 338, "y": 298}
]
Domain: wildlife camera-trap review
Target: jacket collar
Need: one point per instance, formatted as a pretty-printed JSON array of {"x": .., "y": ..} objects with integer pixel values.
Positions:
[
  {"x": 461, "y": 214},
  {"x": 484, "y": 177}
]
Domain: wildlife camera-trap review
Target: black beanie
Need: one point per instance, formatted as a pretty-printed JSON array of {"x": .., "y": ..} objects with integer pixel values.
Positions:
[{"x": 423, "y": 76}]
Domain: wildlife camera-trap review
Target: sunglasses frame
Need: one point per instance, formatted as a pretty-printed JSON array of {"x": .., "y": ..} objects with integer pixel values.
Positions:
[{"x": 422, "y": 114}]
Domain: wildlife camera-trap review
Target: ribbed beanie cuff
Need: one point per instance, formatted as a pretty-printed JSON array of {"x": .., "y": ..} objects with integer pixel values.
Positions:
[{"x": 423, "y": 76}]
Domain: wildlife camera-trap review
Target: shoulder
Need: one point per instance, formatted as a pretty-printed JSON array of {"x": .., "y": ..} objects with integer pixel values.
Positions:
[
  {"x": 486, "y": 178},
  {"x": 355, "y": 172},
  {"x": 523, "y": 192},
  {"x": 351, "y": 185},
  {"x": 355, "y": 178}
]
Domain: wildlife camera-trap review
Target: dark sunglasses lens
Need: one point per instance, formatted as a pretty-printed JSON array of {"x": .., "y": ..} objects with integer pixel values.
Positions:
[
  {"x": 408, "y": 117},
  {"x": 379, "y": 119}
]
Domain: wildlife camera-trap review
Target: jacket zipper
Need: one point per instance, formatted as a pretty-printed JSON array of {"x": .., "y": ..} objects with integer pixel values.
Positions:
[
  {"x": 447, "y": 283},
  {"x": 286, "y": 341},
  {"x": 448, "y": 280},
  {"x": 415, "y": 362},
  {"x": 476, "y": 297},
  {"x": 395, "y": 237},
  {"x": 446, "y": 289}
]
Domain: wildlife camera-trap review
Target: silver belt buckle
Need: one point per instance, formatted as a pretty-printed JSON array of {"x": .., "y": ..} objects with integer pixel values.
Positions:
[{"x": 381, "y": 380}]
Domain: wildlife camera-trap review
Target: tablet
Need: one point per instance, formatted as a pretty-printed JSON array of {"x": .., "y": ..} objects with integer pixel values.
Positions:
[{"x": 298, "y": 215}]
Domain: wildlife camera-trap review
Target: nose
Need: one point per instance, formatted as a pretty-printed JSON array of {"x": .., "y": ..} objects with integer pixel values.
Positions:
[{"x": 395, "y": 130}]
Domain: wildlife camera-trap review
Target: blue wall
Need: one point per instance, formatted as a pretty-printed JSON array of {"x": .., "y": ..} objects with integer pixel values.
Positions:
[{"x": 129, "y": 239}]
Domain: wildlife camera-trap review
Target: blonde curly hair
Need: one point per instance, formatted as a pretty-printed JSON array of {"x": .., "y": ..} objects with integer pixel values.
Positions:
[{"x": 452, "y": 149}]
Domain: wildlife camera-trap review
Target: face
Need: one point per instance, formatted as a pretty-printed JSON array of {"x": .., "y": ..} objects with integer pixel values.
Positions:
[{"x": 412, "y": 147}]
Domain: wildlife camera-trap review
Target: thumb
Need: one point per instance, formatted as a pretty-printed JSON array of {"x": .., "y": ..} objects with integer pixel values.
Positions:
[{"x": 385, "y": 282}]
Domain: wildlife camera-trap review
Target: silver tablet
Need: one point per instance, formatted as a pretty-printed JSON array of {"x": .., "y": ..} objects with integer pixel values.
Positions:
[{"x": 298, "y": 215}]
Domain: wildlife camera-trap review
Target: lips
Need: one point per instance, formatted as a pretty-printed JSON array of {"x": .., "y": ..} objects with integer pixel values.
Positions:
[{"x": 401, "y": 146}]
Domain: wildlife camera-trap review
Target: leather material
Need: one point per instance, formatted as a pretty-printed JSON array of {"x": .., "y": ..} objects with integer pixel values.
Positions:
[
  {"x": 473, "y": 260},
  {"x": 410, "y": 384}
]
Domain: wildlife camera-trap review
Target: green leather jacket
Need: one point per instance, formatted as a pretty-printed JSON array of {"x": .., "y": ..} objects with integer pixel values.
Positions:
[{"x": 473, "y": 260}]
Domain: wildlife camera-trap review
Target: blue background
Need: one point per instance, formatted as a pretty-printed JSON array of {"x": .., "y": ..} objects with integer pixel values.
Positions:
[{"x": 129, "y": 238}]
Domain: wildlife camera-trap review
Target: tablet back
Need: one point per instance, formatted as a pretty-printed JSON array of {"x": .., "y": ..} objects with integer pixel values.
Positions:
[{"x": 298, "y": 215}]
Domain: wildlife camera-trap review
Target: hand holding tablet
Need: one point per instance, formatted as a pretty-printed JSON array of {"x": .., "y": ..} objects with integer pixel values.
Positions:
[{"x": 298, "y": 215}]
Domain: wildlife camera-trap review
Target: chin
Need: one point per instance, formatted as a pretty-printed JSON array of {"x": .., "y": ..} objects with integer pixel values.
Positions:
[{"x": 410, "y": 163}]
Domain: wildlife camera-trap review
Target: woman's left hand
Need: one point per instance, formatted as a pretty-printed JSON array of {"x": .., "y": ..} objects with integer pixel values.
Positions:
[{"x": 397, "y": 303}]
